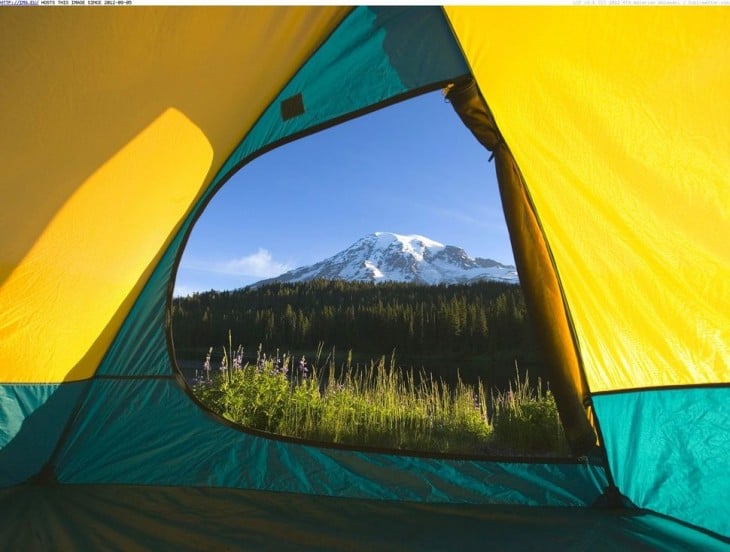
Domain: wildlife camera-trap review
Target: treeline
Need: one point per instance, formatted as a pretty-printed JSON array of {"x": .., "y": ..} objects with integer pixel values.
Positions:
[{"x": 366, "y": 317}]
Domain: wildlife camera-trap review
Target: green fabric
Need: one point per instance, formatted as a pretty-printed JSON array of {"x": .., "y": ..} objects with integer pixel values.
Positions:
[
  {"x": 125, "y": 518},
  {"x": 668, "y": 451},
  {"x": 149, "y": 431},
  {"x": 32, "y": 418}
]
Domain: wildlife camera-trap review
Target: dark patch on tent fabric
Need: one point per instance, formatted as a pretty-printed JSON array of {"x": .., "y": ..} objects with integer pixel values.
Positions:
[{"x": 292, "y": 107}]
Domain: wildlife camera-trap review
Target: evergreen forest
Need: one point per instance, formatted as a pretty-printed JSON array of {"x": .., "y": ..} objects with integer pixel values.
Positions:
[{"x": 481, "y": 328}]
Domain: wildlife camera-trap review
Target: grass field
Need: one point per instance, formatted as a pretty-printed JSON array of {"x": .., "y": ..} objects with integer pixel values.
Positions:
[{"x": 379, "y": 405}]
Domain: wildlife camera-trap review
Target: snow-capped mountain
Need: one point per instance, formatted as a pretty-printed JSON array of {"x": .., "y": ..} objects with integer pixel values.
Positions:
[{"x": 384, "y": 256}]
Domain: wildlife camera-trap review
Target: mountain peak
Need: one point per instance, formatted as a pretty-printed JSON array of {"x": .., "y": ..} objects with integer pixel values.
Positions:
[
  {"x": 387, "y": 256},
  {"x": 409, "y": 240}
]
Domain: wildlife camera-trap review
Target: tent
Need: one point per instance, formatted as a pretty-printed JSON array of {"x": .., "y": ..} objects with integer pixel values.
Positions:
[{"x": 610, "y": 134}]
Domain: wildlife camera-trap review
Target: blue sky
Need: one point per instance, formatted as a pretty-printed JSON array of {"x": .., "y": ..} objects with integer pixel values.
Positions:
[{"x": 411, "y": 168}]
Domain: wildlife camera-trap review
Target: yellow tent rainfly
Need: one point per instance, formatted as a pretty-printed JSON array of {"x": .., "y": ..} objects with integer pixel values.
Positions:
[{"x": 610, "y": 132}]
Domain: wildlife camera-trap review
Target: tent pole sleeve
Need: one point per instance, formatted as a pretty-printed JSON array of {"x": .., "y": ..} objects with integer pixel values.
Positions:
[{"x": 538, "y": 276}]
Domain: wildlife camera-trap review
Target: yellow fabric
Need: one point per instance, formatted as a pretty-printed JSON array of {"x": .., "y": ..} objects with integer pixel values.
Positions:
[
  {"x": 114, "y": 121},
  {"x": 618, "y": 120}
]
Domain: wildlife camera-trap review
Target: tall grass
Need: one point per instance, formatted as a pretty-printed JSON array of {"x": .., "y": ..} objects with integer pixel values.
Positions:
[
  {"x": 380, "y": 405},
  {"x": 525, "y": 419}
]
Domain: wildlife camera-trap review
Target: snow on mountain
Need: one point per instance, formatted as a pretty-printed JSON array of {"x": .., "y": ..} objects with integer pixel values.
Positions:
[{"x": 385, "y": 256}]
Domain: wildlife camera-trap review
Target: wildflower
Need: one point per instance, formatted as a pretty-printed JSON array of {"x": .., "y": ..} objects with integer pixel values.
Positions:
[
  {"x": 237, "y": 359},
  {"x": 224, "y": 362},
  {"x": 206, "y": 364},
  {"x": 303, "y": 369}
]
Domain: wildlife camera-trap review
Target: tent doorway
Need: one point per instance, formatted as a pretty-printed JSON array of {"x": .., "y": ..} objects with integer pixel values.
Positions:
[{"x": 364, "y": 275}]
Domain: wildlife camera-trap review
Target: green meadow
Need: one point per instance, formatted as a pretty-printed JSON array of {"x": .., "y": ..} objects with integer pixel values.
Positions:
[{"x": 380, "y": 405}]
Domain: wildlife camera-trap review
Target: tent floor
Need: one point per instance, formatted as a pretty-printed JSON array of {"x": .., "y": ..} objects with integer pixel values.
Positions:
[{"x": 115, "y": 517}]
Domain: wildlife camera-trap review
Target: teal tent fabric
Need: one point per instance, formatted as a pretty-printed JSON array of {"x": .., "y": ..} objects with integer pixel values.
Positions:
[
  {"x": 332, "y": 86},
  {"x": 149, "y": 431},
  {"x": 126, "y": 518},
  {"x": 669, "y": 450},
  {"x": 32, "y": 420}
]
